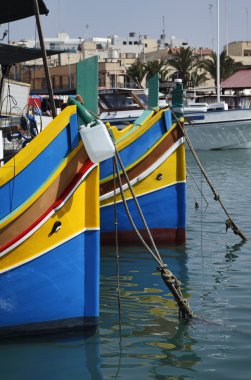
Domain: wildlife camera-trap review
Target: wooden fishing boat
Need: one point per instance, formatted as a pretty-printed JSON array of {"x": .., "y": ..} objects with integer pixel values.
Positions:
[
  {"x": 49, "y": 236},
  {"x": 153, "y": 154},
  {"x": 152, "y": 151},
  {"x": 49, "y": 228}
]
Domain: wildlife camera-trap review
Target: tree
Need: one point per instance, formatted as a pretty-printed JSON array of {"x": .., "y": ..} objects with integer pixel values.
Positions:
[
  {"x": 157, "y": 66},
  {"x": 227, "y": 66},
  {"x": 184, "y": 61},
  {"x": 198, "y": 79},
  {"x": 136, "y": 72}
]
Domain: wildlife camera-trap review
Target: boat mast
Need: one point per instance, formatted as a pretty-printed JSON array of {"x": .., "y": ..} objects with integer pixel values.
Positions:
[
  {"x": 46, "y": 68},
  {"x": 218, "y": 52},
  {"x": 226, "y": 18}
]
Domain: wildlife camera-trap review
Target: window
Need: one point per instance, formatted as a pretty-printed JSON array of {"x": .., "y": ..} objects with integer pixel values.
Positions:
[
  {"x": 124, "y": 42},
  {"x": 130, "y": 42},
  {"x": 55, "y": 46},
  {"x": 247, "y": 53},
  {"x": 60, "y": 82},
  {"x": 119, "y": 101}
]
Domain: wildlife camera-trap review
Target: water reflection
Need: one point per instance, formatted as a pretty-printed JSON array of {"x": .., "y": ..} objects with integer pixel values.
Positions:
[
  {"x": 149, "y": 335},
  {"x": 149, "y": 341},
  {"x": 51, "y": 358},
  {"x": 233, "y": 251}
]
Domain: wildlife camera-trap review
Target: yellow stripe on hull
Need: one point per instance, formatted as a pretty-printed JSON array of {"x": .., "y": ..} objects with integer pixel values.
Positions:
[
  {"x": 75, "y": 216},
  {"x": 36, "y": 146},
  {"x": 145, "y": 155},
  {"x": 173, "y": 170},
  {"x": 138, "y": 131},
  {"x": 20, "y": 210},
  {"x": 119, "y": 135}
]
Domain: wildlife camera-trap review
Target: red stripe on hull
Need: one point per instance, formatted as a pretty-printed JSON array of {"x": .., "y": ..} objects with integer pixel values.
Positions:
[
  {"x": 160, "y": 236},
  {"x": 87, "y": 165}
]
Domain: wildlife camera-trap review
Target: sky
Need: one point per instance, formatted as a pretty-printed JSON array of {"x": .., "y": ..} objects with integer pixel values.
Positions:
[{"x": 194, "y": 21}]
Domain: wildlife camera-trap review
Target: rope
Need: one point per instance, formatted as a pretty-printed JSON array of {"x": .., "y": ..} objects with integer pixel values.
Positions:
[
  {"x": 229, "y": 222},
  {"x": 117, "y": 247},
  {"x": 138, "y": 206},
  {"x": 196, "y": 204},
  {"x": 117, "y": 267},
  {"x": 200, "y": 191},
  {"x": 168, "y": 277}
]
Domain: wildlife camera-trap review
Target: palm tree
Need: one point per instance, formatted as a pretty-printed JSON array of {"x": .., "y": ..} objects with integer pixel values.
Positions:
[
  {"x": 198, "y": 79},
  {"x": 227, "y": 66},
  {"x": 136, "y": 72},
  {"x": 157, "y": 66},
  {"x": 184, "y": 61}
]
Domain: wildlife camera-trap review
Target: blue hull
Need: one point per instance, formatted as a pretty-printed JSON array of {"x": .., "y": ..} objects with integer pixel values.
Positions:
[
  {"x": 164, "y": 211},
  {"x": 58, "y": 290},
  {"x": 136, "y": 149}
]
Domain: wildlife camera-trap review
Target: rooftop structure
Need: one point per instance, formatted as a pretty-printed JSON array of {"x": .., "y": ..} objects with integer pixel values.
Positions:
[{"x": 240, "y": 80}]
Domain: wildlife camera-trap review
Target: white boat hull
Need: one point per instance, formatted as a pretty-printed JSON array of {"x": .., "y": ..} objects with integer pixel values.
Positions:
[{"x": 221, "y": 130}]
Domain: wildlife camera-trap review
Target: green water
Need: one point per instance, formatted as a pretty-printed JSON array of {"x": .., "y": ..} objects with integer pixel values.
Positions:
[{"x": 149, "y": 341}]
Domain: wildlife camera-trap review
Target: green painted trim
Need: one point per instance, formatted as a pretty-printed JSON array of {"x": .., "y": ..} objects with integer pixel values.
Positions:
[
  {"x": 153, "y": 91},
  {"x": 87, "y": 82},
  {"x": 137, "y": 124}
]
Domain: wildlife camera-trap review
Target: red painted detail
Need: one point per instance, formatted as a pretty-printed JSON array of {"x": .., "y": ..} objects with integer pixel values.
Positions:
[
  {"x": 161, "y": 236},
  {"x": 87, "y": 165}
]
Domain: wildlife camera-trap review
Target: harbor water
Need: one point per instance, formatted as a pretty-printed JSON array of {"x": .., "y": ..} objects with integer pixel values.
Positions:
[{"x": 147, "y": 340}]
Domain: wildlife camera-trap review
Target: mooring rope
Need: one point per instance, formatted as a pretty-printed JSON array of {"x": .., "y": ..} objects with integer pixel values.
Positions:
[
  {"x": 116, "y": 242},
  {"x": 196, "y": 204},
  {"x": 201, "y": 193},
  {"x": 138, "y": 206},
  {"x": 168, "y": 277},
  {"x": 229, "y": 222}
]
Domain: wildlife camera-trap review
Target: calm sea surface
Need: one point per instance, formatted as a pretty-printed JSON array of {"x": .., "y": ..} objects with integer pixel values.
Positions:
[{"x": 149, "y": 341}]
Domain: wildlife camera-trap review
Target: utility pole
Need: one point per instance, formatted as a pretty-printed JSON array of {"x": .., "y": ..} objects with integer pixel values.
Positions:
[
  {"x": 247, "y": 24},
  {"x": 218, "y": 51},
  {"x": 226, "y": 23},
  {"x": 210, "y": 7}
]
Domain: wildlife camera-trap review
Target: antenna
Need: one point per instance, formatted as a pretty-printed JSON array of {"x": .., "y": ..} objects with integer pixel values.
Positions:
[
  {"x": 164, "y": 28},
  {"x": 86, "y": 33},
  {"x": 161, "y": 42}
]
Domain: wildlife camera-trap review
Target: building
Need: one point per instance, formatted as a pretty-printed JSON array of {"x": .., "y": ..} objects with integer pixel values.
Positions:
[
  {"x": 239, "y": 51},
  {"x": 238, "y": 84},
  {"x": 115, "y": 55}
]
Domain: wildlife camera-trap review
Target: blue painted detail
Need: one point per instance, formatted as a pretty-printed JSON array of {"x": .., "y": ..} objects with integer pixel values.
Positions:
[
  {"x": 74, "y": 134},
  {"x": 136, "y": 149},
  {"x": 168, "y": 119},
  {"x": 92, "y": 263},
  {"x": 191, "y": 117},
  {"x": 61, "y": 284},
  {"x": 164, "y": 208},
  {"x": 19, "y": 189}
]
